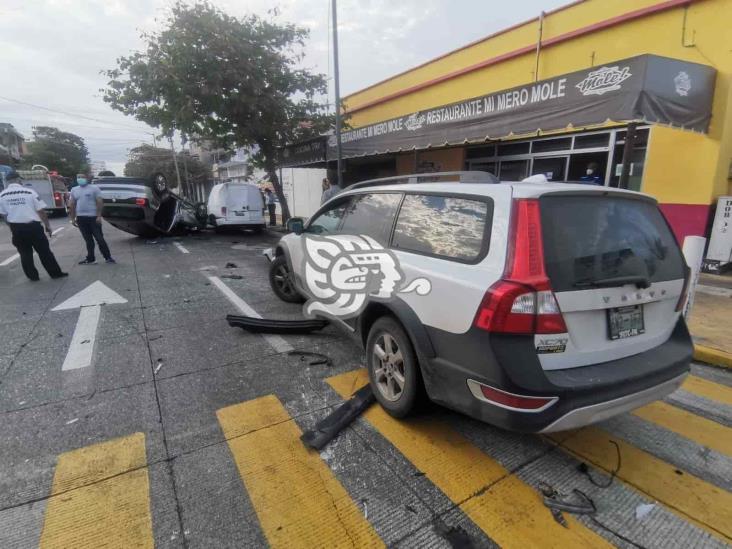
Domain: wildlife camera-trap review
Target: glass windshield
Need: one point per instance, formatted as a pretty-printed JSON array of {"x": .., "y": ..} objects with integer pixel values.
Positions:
[{"x": 591, "y": 240}]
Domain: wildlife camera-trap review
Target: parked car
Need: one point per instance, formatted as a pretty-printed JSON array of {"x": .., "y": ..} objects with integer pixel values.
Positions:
[
  {"x": 236, "y": 205},
  {"x": 50, "y": 188},
  {"x": 146, "y": 206},
  {"x": 552, "y": 306}
]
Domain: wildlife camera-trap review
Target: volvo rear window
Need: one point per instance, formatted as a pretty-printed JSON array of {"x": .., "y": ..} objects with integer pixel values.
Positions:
[
  {"x": 595, "y": 241},
  {"x": 451, "y": 227}
]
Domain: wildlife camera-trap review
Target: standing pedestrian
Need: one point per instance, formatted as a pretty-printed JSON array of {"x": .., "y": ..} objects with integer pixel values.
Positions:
[
  {"x": 325, "y": 186},
  {"x": 85, "y": 210},
  {"x": 333, "y": 189},
  {"x": 24, "y": 213},
  {"x": 271, "y": 206}
]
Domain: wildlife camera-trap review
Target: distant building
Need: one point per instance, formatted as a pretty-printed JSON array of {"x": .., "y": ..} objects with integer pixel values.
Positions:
[
  {"x": 12, "y": 145},
  {"x": 237, "y": 168},
  {"x": 98, "y": 166}
]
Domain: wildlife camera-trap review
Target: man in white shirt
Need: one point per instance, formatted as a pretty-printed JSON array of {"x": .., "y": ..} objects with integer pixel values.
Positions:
[
  {"x": 85, "y": 211},
  {"x": 24, "y": 213}
]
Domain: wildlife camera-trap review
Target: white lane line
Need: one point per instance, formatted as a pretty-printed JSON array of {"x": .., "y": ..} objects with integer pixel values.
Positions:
[
  {"x": 81, "y": 350},
  {"x": 180, "y": 247},
  {"x": 12, "y": 258},
  {"x": 277, "y": 343},
  {"x": 9, "y": 260}
]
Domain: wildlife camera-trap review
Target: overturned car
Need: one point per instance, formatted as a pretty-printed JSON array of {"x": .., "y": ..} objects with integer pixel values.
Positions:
[{"x": 147, "y": 207}]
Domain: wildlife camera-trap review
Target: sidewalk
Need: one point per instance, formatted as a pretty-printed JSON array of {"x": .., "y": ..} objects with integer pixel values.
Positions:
[{"x": 711, "y": 320}]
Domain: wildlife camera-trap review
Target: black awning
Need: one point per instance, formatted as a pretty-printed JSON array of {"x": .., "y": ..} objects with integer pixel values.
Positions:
[
  {"x": 646, "y": 88},
  {"x": 304, "y": 153}
]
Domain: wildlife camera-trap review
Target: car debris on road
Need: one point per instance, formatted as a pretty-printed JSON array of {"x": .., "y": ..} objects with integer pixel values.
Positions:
[{"x": 329, "y": 427}]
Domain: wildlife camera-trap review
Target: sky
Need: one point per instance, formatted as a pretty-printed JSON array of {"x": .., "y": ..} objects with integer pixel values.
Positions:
[{"x": 52, "y": 51}]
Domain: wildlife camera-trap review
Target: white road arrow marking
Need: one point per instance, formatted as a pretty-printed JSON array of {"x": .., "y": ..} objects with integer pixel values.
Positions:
[{"x": 89, "y": 300}]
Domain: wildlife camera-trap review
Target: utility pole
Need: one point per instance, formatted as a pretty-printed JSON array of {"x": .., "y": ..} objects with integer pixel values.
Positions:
[
  {"x": 175, "y": 161},
  {"x": 337, "y": 95}
]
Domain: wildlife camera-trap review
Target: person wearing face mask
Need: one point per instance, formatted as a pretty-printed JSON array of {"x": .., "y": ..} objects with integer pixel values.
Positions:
[
  {"x": 591, "y": 174},
  {"x": 85, "y": 210}
]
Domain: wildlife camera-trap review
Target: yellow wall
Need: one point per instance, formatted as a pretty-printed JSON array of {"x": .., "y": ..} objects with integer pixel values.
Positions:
[{"x": 680, "y": 167}]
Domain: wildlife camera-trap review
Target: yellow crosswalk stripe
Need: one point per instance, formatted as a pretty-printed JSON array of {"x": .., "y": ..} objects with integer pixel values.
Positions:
[
  {"x": 298, "y": 500},
  {"x": 706, "y": 505},
  {"x": 708, "y": 389},
  {"x": 100, "y": 497},
  {"x": 503, "y": 506},
  {"x": 701, "y": 430}
]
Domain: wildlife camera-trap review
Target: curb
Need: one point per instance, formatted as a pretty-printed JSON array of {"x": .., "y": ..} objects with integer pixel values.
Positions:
[{"x": 712, "y": 356}]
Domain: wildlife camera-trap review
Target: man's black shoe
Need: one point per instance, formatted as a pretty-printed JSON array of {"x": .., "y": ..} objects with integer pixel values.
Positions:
[
  {"x": 34, "y": 279},
  {"x": 60, "y": 275}
]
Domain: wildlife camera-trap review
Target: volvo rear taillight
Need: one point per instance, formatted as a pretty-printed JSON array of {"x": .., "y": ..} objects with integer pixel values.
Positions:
[
  {"x": 57, "y": 198},
  {"x": 141, "y": 201},
  {"x": 522, "y": 302},
  {"x": 685, "y": 290}
]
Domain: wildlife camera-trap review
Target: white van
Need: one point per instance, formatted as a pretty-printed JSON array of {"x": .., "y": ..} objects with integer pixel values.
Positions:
[{"x": 236, "y": 205}]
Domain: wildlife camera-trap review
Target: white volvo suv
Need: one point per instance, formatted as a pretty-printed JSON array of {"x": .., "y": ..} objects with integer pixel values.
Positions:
[{"x": 552, "y": 306}]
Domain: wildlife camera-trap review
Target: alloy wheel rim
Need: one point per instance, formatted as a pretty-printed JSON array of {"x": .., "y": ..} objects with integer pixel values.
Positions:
[
  {"x": 282, "y": 279},
  {"x": 388, "y": 365}
]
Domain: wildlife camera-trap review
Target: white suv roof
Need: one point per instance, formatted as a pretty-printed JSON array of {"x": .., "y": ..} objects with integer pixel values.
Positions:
[{"x": 521, "y": 190}]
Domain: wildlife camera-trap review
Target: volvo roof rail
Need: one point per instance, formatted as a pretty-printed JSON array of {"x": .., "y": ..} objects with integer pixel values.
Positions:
[{"x": 435, "y": 177}]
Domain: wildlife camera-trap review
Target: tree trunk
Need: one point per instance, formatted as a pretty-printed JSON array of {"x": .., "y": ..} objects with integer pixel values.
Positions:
[{"x": 277, "y": 184}]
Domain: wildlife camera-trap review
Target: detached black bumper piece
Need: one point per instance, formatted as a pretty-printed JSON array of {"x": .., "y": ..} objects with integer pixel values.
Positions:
[
  {"x": 329, "y": 427},
  {"x": 271, "y": 326}
]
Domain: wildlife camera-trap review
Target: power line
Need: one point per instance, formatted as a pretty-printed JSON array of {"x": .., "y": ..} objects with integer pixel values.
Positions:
[
  {"x": 32, "y": 120},
  {"x": 66, "y": 112}
]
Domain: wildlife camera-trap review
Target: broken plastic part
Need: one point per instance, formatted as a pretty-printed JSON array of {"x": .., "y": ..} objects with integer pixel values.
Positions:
[
  {"x": 271, "y": 326},
  {"x": 340, "y": 418},
  {"x": 318, "y": 358}
]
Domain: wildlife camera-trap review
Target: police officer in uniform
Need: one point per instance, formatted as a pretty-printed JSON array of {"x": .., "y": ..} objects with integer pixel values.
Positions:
[{"x": 24, "y": 212}]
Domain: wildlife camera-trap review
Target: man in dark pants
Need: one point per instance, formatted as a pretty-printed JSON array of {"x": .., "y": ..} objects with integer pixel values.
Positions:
[
  {"x": 25, "y": 212},
  {"x": 271, "y": 206},
  {"x": 85, "y": 210}
]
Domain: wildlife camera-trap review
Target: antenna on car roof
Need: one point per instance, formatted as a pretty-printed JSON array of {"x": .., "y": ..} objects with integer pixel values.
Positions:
[{"x": 462, "y": 177}]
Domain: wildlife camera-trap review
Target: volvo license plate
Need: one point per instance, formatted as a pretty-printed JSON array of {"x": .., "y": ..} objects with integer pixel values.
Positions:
[{"x": 625, "y": 321}]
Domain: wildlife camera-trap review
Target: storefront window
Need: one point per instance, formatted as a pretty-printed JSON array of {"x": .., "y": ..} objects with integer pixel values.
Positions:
[
  {"x": 513, "y": 170},
  {"x": 592, "y": 141},
  {"x": 553, "y": 168},
  {"x": 547, "y": 145},
  {"x": 589, "y": 157},
  {"x": 511, "y": 149}
]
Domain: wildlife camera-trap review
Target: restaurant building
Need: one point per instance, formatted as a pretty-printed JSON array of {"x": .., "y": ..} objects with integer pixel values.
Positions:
[{"x": 638, "y": 91}]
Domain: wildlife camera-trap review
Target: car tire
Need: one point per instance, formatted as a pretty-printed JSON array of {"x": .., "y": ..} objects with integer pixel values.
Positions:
[
  {"x": 393, "y": 369},
  {"x": 280, "y": 279}
]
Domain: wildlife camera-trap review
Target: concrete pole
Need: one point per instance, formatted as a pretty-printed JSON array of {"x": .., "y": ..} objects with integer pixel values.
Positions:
[
  {"x": 336, "y": 79},
  {"x": 693, "y": 253},
  {"x": 175, "y": 162}
]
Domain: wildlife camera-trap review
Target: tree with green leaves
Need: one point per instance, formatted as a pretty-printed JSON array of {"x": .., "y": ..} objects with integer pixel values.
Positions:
[
  {"x": 57, "y": 150},
  {"x": 234, "y": 80},
  {"x": 145, "y": 160}
]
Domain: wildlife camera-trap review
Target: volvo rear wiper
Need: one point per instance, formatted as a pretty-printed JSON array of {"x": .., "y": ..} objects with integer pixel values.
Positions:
[{"x": 615, "y": 281}]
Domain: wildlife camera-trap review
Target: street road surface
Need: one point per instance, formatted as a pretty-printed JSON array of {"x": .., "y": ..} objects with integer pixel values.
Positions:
[{"x": 133, "y": 415}]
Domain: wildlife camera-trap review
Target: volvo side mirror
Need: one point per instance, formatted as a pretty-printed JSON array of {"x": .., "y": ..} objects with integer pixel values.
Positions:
[{"x": 295, "y": 225}]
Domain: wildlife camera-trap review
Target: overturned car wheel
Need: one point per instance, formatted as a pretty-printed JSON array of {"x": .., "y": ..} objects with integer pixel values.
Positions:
[{"x": 280, "y": 278}]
